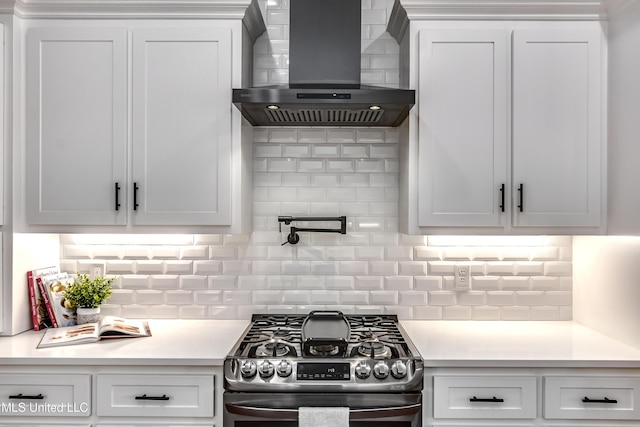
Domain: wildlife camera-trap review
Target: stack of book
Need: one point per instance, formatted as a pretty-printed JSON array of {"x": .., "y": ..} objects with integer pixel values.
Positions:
[{"x": 46, "y": 296}]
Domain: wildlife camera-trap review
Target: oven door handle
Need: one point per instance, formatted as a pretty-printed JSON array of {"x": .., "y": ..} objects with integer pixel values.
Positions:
[{"x": 354, "y": 414}]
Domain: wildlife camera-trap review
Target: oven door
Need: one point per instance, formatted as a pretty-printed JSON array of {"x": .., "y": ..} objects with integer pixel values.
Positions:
[{"x": 281, "y": 409}]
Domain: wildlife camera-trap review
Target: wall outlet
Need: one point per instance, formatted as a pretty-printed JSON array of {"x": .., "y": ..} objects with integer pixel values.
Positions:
[
  {"x": 462, "y": 277},
  {"x": 96, "y": 269}
]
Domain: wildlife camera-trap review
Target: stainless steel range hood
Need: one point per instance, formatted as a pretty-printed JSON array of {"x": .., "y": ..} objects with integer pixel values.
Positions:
[{"x": 324, "y": 75}]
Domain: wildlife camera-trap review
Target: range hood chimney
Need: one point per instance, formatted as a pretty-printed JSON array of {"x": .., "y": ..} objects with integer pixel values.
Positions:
[{"x": 324, "y": 75}]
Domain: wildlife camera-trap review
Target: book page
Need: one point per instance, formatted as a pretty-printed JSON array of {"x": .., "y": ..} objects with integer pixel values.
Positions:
[
  {"x": 70, "y": 335},
  {"x": 117, "y": 326}
]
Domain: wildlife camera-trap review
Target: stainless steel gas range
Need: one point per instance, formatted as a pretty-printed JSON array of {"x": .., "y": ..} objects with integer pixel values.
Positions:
[{"x": 323, "y": 359}]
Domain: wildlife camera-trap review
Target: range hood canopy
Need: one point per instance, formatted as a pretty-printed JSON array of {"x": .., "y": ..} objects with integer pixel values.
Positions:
[{"x": 324, "y": 75}]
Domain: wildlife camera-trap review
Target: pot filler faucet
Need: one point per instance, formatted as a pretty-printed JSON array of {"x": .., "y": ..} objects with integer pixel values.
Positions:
[{"x": 293, "y": 236}]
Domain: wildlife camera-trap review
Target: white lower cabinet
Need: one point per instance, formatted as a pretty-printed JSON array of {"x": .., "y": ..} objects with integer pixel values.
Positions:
[
  {"x": 108, "y": 396},
  {"x": 541, "y": 397},
  {"x": 51, "y": 396},
  {"x": 484, "y": 397},
  {"x": 587, "y": 398},
  {"x": 155, "y": 395}
]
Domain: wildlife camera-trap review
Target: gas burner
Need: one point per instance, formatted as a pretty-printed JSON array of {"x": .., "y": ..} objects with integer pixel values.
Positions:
[
  {"x": 375, "y": 349},
  {"x": 273, "y": 349},
  {"x": 325, "y": 350}
]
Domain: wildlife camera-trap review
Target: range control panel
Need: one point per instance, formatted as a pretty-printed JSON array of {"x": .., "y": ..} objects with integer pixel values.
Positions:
[{"x": 323, "y": 371}]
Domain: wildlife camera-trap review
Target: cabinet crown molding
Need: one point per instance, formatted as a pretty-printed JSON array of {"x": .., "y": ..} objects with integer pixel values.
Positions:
[
  {"x": 184, "y": 9},
  {"x": 507, "y": 9},
  {"x": 405, "y": 11}
]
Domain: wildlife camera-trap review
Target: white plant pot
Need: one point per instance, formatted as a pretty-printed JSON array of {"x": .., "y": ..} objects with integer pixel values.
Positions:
[{"x": 87, "y": 315}]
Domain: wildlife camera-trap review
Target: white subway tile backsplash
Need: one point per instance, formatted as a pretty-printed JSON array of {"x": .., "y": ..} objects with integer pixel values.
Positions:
[
  {"x": 412, "y": 298},
  {"x": 399, "y": 283},
  {"x": 267, "y": 150},
  {"x": 296, "y": 150},
  {"x": 428, "y": 283},
  {"x": 369, "y": 282},
  {"x": 325, "y": 150},
  {"x": 127, "y": 281},
  {"x": 150, "y": 296},
  {"x": 267, "y": 297},
  {"x": 179, "y": 267},
  {"x": 500, "y": 298},
  {"x": 360, "y": 151},
  {"x": 312, "y": 165},
  {"x": 441, "y": 298},
  {"x": 516, "y": 313},
  {"x": 150, "y": 267},
  {"x": 295, "y": 179},
  {"x": 192, "y": 282},
  {"x": 354, "y": 297},
  {"x": 457, "y": 312},
  {"x": 558, "y": 268},
  {"x": 287, "y": 164},
  {"x": 167, "y": 282},
  {"x": 340, "y": 165},
  {"x": 120, "y": 267},
  {"x": 515, "y": 283}
]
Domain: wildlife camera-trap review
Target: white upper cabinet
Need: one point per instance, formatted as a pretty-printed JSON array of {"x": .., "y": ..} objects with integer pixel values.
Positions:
[
  {"x": 556, "y": 127},
  {"x": 76, "y": 125},
  {"x": 181, "y": 126},
  {"x": 507, "y": 132},
  {"x": 138, "y": 135},
  {"x": 463, "y": 127}
]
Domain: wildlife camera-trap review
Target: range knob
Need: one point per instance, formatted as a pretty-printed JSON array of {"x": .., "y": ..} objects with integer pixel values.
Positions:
[
  {"x": 399, "y": 369},
  {"x": 363, "y": 370},
  {"x": 381, "y": 370},
  {"x": 248, "y": 369},
  {"x": 266, "y": 369},
  {"x": 284, "y": 368}
]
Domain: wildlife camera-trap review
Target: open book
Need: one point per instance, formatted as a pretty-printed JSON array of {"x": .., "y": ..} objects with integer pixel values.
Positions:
[{"x": 107, "y": 327}]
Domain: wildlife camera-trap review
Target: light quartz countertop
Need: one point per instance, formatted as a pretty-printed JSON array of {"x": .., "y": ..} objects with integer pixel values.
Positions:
[
  {"x": 173, "y": 342},
  {"x": 440, "y": 343},
  {"x": 517, "y": 344}
]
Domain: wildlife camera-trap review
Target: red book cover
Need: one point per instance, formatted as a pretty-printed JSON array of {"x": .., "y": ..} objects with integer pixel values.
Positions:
[
  {"x": 47, "y": 302},
  {"x": 39, "y": 313}
]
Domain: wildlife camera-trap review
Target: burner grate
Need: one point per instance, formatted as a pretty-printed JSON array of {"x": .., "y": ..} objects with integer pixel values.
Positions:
[{"x": 281, "y": 336}]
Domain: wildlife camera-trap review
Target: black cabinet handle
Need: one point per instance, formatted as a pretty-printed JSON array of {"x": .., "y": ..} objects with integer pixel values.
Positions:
[
  {"x": 117, "y": 196},
  {"x": 145, "y": 397},
  {"x": 502, "y": 198},
  {"x": 521, "y": 197},
  {"x": 605, "y": 400},
  {"x": 26, "y": 396},
  {"x": 135, "y": 196},
  {"x": 490, "y": 400}
]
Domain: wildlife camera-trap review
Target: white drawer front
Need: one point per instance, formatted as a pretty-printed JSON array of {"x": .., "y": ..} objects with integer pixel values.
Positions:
[
  {"x": 55, "y": 395},
  {"x": 484, "y": 397},
  {"x": 604, "y": 398},
  {"x": 155, "y": 395}
]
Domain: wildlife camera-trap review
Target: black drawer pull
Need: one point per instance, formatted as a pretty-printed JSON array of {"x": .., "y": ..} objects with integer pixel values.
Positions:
[
  {"x": 491, "y": 400},
  {"x": 521, "y": 197},
  {"x": 135, "y": 196},
  {"x": 26, "y": 396},
  {"x": 605, "y": 400},
  {"x": 117, "y": 196},
  {"x": 145, "y": 397}
]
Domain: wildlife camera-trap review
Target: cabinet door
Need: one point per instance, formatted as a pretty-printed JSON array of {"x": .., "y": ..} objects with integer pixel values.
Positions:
[
  {"x": 182, "y": 126},
  {"x": 76, "y": 135},
  {"x": 463, "y": 101},
  {"x": 557, "y": 127}
]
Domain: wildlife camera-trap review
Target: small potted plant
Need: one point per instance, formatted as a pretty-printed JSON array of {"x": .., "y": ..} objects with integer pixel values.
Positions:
[{"x": 86, "y": 294}]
